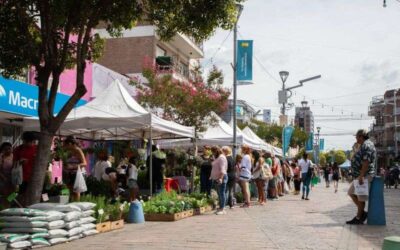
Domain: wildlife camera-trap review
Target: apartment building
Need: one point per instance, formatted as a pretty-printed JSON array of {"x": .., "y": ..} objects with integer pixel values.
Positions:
[
  {"x": 304, "y": 118},
  {"x": 142, "y": 46},
  {"x": 384, "y": 130}
]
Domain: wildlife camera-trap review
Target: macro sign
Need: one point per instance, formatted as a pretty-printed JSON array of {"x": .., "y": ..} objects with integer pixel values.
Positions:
[{"x": 22, "y": 98}]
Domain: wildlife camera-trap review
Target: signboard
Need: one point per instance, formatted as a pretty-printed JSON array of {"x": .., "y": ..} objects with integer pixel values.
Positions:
[
  {"x": 321, "y": 144},
  {"x": 22, "y": 98},
  {"x": 244, "y": 64},
  {"x": 267, "y": 115},
  {"x": 239, "y": 110},
  {"x": 287, "y": 136},
  {"x": 310, "y": 142}
]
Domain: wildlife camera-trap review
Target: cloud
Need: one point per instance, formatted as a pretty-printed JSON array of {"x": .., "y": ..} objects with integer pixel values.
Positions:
[{"x": 378, "y": 73}]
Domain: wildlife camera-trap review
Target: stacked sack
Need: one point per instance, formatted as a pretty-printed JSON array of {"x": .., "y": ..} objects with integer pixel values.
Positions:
[
  {"x": 25, "y": 227},
  {"x": 87, "y": 220},
  {"x": 77, "y": 221}
]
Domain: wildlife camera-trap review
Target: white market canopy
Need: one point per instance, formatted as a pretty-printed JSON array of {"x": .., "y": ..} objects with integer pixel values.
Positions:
[
  {"x": 263, "y": 145},
  {"x": 220, "y": 134},
  {"x": 346, "y": 164},
  {"x": 115, "y": 115}
]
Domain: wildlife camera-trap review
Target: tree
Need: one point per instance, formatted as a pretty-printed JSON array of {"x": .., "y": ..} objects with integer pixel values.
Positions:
[
  {"x": 53, "y": 36},
  {"x": 340, "y": 157},
  {"x": 272, "y": 133},
  {"x": 189, "y": 103}
]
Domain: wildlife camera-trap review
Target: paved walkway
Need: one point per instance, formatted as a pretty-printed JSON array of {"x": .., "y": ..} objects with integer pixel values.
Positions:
[{"x": 289, "y": 223}]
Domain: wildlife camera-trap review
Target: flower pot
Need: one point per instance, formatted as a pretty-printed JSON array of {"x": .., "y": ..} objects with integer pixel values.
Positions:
[
  {"x": 117, "y": 224},
  {"x": 103, "y": 227}
]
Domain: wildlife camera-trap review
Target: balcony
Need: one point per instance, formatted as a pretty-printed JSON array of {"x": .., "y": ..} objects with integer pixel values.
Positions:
[{"x": 187, "y": 46}]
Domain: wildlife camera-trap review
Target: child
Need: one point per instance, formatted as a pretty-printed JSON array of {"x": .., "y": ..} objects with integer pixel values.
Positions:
[{"x": 132, "y": 179}]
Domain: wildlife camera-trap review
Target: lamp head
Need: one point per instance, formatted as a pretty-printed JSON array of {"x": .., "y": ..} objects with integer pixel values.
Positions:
[
  {"x": 384, "y": 4},
  {"x": 318, "y": 129},
  {"x": 284, "y": 75},
  {"x": 239, "y": 8}
]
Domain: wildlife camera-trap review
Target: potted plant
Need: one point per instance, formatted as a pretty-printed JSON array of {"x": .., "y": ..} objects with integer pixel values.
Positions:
[
  {"x": 102, "y": 214},
  {"x": 116, "y": 212}
]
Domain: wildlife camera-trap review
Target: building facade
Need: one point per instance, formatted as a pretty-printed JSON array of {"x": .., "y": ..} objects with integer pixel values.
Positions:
[
  {"x": 384, "y": 130},
  {"x": 304, "y": 118},
  {"x": 141, "y": 46},
  {"x": 244, "y": 112}
]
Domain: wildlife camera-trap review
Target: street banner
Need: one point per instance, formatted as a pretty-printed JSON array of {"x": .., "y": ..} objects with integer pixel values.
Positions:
[
  {"x": 244, "y": 64},
  {"x": 310, "y": 142},
  {"x": 321, "y": 144},
  {"x": 286, "y": 137}
]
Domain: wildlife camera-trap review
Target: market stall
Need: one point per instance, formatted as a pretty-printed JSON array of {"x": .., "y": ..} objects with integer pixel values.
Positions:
[
  {"x": 219, "y": 134},
  {"x": 115, "y": 115},
  {"x": 263, "y": 145}
]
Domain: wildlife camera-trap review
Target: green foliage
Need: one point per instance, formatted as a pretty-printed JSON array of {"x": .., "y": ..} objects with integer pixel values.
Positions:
[
  {"x": 272, "y": 133},
  {"x": 170, "y": 202},
  {"x": 101, "y": 204},
  {"x": 189, "y": 103},
  {"x": 340, "y": 157}
]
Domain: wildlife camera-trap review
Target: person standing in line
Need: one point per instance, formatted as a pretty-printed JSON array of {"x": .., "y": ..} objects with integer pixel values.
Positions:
[
  {"x": 260, "y": 181},
  {"x": 231, "y": 175},
  {"x": 205, "y": 172},
  {"x": 220, "y": 177},
  {"x": 245, "y": 175},
  {"x": 268, "y": 163},
  {"x": 363, "y": 168},
  {"x": 76, "y": 159},
  {"x": 306, "y": 174},
  {"x": 25, "y": 154},
  {"x": 6, "y": 164},
  {"x": 296, "y": 178},
  {"x": 273, "y": 183},
  {"x": 335, "y": 176}
]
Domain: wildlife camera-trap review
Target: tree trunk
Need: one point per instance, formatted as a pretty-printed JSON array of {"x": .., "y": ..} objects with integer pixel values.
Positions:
[{"x": 35, "y": 186}]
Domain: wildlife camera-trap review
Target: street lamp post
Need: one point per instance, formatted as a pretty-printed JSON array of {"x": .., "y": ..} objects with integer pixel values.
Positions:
[
  {"x": 395, "y": 123},
  {"x": 239, "y": 9},
  {"x": 283, "y": 94},
  {"x": 317, "y": 146}
]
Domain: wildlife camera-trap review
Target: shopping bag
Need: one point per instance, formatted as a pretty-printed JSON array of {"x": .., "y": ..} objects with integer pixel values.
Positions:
[
  {"x": 360, "y": 189},
  {"x": 80, "y": 183},
  {"x": 286, "y": 188},
  {"x": 16, "y": 175}
]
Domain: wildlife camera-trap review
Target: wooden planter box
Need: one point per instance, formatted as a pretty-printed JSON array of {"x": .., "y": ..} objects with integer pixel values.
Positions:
[
  {"x": 103, "y": 227},
  {"x": 202, "y": 210},
  {"x": 208, "y": 208},
  {"x": 117, "y": 224},
  {"x": 168, "y": 217}
]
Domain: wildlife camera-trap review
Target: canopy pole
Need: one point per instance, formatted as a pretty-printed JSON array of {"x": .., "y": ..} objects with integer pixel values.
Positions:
[{"x": 151, "y": 160}]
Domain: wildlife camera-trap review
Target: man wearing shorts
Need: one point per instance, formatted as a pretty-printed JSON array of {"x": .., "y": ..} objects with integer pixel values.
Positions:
[{"x": 363, "y": 169}]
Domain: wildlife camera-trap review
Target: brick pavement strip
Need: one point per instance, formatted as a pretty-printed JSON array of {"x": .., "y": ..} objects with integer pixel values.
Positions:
[{"x": 289, "y": 223}]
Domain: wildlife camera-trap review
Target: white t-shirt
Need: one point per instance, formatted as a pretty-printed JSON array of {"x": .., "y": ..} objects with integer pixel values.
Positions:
[
  {"x": 100, "y": 169},
  {"x": 133, "y": 172},
  {"x": 304, "y": 165},
  {"x": 245, "y": 168}
]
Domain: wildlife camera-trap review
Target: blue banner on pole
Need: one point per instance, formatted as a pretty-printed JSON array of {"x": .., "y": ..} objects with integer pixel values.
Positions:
[
  {"x": 22, "y": 98},
  {"x": 287, "y": 136},
  {"x": 321, "y": 144},
  {"x": 310, "y": 142},
  {"x": 244, "y": 62}
]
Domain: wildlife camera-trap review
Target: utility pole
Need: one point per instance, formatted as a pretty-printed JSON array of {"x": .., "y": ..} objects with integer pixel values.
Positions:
[
  {"x": 395, "y": 123},
  {"x": 239, "y": 9}
]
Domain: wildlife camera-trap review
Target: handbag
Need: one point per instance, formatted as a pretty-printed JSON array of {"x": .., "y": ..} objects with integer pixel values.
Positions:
[
  {"x": 80, "y": 183},
  {"x": 16, "y": 175},
  {"x": 267, "y": 173}
]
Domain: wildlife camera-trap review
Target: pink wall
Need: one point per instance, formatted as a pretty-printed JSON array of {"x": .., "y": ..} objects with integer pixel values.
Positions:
[{"x": 68, "y": 81}]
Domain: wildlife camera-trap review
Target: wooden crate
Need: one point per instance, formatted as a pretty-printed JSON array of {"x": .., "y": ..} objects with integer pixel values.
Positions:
[
  {"x": 163, "y": 217},
  {"x": 188, "y": 213},
  {"x": 117, "y": 224},
  {"x": 103, "y": 227}
]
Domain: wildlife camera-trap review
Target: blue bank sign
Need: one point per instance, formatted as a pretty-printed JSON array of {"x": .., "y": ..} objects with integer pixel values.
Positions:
[{"x": 22, "y": 98}]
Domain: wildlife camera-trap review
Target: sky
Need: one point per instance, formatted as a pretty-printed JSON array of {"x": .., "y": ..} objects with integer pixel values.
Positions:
[{"x": 354, "y": 45}]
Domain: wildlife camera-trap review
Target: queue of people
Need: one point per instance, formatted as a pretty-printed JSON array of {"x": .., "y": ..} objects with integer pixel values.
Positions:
[{"x": 272, "y": 177}]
